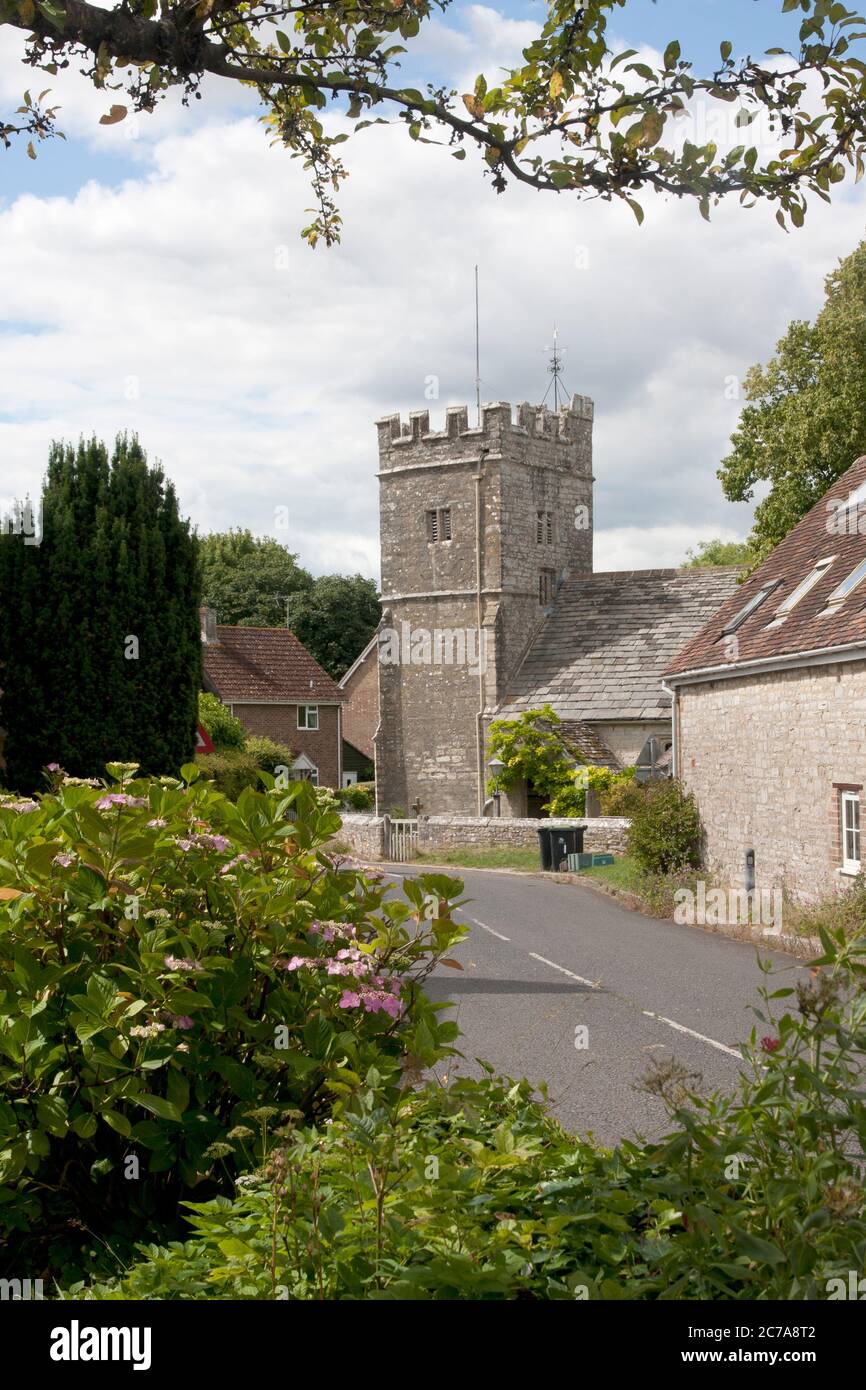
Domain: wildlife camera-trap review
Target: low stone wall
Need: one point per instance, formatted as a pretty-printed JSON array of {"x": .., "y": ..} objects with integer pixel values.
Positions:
[
  {"x": 602, "y": 834},
  {"x": 366, "y": 833}
]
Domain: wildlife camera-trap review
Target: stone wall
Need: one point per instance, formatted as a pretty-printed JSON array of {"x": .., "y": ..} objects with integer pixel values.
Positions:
[
  {"x": 366, "y": 833},
  {"x": 602, "y": 835},
  {"x": 767, "y": 758},
  {"x": 427, "y": 744}
]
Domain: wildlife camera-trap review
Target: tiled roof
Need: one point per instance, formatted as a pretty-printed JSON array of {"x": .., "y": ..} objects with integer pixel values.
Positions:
[
  {"x": 587, "y": 742},
  {"x": 814, "y": 538},
  {"x": 601, "y": 653},
  {"x": 267, "y": 664}
]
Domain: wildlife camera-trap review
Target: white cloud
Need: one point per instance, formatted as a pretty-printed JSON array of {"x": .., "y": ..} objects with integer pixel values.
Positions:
[{"x": 160, "y": 306}]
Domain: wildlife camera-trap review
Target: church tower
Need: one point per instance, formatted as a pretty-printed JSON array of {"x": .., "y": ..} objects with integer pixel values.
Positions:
[{"x": 479, "y": 527}]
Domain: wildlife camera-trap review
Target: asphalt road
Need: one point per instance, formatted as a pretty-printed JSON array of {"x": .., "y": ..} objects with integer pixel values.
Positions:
[{"x": 545, "y": 958}]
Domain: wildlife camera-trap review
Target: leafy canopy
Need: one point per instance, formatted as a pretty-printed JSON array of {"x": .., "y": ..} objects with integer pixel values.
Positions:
[
  {"x": 718, "y": 552},
  {"x": 574, "y": 115},
  {"x": 805, "y": 421}
]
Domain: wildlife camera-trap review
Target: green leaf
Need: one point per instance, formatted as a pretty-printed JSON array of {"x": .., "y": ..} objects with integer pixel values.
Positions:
[
  {"x": 117, "y": 1122},
  {"x": 672, "y": 53},
  {"x": 163, "y": 1109}
]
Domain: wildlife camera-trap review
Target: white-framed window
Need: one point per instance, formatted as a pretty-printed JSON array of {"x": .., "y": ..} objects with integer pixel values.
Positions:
[
  {"x": 848, "y": 585},
  {"x": 801, "y": 590},
  {"x": 308, "y": 716},
  {"x": 305, "y": 771},
  {"x": 850, "y": 832}
]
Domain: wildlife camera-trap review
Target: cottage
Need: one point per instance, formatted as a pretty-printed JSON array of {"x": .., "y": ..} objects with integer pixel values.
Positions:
[
  {"x": 770, "y": 707},
  {"x": 272, "y": 684}
]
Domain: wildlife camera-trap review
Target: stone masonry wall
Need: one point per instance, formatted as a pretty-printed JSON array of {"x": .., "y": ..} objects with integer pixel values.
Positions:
[
  {"x": 366, "y": 834},
  {"x": 427, "y": 741},
  {"x": 767, "y": 758}
]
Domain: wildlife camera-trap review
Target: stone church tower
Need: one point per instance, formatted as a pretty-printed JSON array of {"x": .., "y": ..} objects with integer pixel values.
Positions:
[{"x": 479, "y": 527}]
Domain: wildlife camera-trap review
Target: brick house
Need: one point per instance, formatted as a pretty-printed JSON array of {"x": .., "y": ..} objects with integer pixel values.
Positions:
[
  {"x": 770, "y": 708},
  {"x": 360, "y": 687},
  {"x": 272, "y": 684}
]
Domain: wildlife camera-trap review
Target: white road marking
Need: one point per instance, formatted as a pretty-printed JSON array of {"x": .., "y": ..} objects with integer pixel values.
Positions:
[
  {"x": 681, "y": 1028},
  {"x": 475, "y": 922},
  {"x": 593, "y": 984}
]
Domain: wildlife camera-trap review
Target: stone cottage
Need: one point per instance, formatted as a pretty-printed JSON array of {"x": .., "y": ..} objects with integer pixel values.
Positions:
[
  {"x": 272, "y": 684},
  {"x": 490, "y": 604},
  {"x": 770, "y": 708}
]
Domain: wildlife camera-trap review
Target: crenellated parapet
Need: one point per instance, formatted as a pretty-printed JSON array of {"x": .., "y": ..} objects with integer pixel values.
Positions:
[{"x": 503, "y": 431}]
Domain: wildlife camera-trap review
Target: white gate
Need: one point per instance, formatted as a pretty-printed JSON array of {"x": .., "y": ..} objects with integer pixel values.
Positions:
[{"x": 402, "y": 840}]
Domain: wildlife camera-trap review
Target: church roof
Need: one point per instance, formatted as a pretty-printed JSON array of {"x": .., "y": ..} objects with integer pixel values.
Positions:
[{"x": 605, "y": 646}]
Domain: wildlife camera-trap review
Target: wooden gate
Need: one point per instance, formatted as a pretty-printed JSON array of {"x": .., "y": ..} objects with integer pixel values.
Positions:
[{"x": 402, "y": 840}]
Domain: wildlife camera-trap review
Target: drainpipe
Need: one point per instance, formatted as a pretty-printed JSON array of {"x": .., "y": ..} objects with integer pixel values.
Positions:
[
  {"x": 675, "y": 738},
  {"x": 479, "y": 731}
]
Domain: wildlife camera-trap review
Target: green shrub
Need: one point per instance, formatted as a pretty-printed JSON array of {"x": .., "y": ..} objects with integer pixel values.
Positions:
[
  {"x": 361, "y": 796},
  {"x": 179, "y": 974},
  {"x": 230, "y": 771},
  {"x": 217, "y": 719},
  {"x": 665, "y": 832},
  {"x": 470, "y": 1191},
  {"x": 622, "y": 794},
  {"x": 269, "y": 755}
]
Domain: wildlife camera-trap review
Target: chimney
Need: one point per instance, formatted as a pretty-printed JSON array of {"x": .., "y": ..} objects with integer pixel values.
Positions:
[{"x": 208, "y": 625}]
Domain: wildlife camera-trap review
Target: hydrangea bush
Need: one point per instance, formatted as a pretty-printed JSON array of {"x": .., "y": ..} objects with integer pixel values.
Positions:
[{"x": 178, "y": 974}]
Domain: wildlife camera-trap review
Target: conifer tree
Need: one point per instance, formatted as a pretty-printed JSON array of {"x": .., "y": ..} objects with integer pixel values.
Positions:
[{"x": 100, "y": 650}]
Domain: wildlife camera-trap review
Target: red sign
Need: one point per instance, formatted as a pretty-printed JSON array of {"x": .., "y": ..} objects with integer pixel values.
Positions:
[{"x": 202, "y": 740}]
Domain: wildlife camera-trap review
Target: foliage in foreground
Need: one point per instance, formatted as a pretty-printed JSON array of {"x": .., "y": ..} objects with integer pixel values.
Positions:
[
  {"x": 177, "y": 974},
  {"x": 577, "y": 113},
  {"x": 470, "y": 1191}
]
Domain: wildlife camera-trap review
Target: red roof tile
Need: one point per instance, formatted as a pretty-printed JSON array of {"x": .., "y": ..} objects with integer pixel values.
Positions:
[
  {"x": 267, "y": 664},
  {"x": 823, "y": 532}
]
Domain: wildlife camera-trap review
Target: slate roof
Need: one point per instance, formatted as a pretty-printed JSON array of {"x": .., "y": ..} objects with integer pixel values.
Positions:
[
  {"x": 601, "y": 653},
  {"x": 814, "y": 538},
  {"x": 267, "y": 664}
]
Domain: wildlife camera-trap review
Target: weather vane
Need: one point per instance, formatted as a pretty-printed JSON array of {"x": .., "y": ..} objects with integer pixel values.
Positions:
[{"x": 555, "y": 369}]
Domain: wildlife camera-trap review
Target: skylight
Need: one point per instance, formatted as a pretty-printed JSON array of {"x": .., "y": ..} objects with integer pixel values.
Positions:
[
  {"x": 801, "y": 590},
  {"x": 754, "y": 602},
  {"x": 839, "y": 594}
]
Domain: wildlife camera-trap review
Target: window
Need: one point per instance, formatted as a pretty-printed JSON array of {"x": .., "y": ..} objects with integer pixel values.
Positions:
[
  {"x": 546, "y": 587},
  {"x": 439, "y": 524},
  {"x": 841, "y": 592},
  {"x": 754, "y": 602},
  {"x": 850, "y": 832},
  {"x": 801, "y": 590},
  {"x": 308, "y": 716},
  {"x": 544, "y": 528}
]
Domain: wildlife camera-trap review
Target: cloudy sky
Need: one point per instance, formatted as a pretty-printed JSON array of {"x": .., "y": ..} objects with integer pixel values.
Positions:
[{"x": 153, "y": 279}]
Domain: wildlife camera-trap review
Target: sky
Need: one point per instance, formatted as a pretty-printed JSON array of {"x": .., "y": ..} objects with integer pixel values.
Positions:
[{"x": 154, "y": 280}]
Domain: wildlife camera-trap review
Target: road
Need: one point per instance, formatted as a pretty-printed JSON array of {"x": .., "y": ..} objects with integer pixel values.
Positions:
[{"x": 546, "y": 958}]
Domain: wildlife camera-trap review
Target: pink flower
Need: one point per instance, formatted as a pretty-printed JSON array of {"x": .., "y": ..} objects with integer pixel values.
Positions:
[
  {"x": 64, "y": 860},
  {"x": 349, "y": 1000},
  {"x": 106, "y": 802},
  {"x": 157, "y": 823},
  {"x": 52, "y": 767},
  {"x": 183, "y": 963},
  {"x": 238, "y": 859},
  {"x": 770, "y": 1044},
  {"x": 181, "y": 1021}
]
